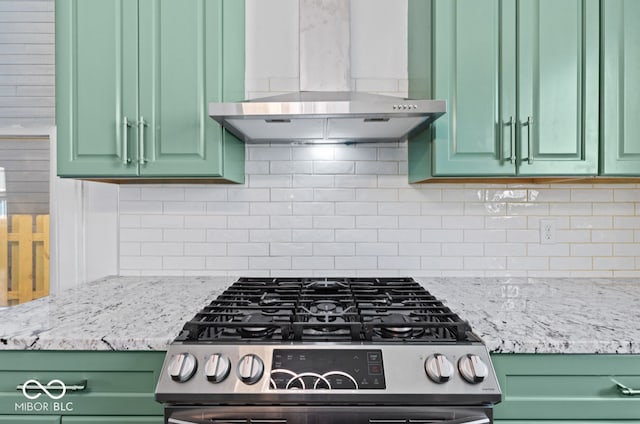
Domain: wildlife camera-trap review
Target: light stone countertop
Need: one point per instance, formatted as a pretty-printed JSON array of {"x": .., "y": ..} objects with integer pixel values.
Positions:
[{"x": 512, "y": 315}]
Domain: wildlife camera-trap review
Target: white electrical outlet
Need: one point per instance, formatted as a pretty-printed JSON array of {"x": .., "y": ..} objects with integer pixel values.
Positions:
[{"x": 547, "y": 231}]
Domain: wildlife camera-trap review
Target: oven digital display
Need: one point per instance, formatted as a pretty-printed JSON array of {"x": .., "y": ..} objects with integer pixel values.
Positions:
[{"x": 327, "y": 369}]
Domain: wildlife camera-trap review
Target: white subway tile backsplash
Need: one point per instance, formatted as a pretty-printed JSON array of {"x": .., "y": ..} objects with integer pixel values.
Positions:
[
  {"x": 227, "y": 208},
  {"x": 314, "y": 235},
  {"x": 291, "y": 221},
  {"x": 355, "y": 181},
  {"x": 377, "y": 249},
  {"x": 399, "y": 208},
  {"x": 139, "y": 207},
  {"x": 376, "y": 221},
  {"x": 356, "y": 236},
  {"x": 376, "y": 168},
  {"x": 250, "y": 222},
  {"x": 399, "y": 235},
  {"x": 183, "y": 262},
  {"x": 162, "y": 249},
  {"x": 334, "y": 167},
  {"x": 348, "y": 210},
  {"x": 272, "y": 235},
  {"x": 334, "y": 222},
  {"x": 162, "y": 221},
  {"x": 269, "y": 181},
  {"x": 162, "y": 193},
  {"x": 291, "y": 168},
  {"x": 291, "y": 249},
  {"x": 312, "y": 262},
  {"x": 314, "y": 181},
  {"x": 334, "y": 249},
  {"x": 130, "y": 221},
  {"x": 291, "y": 195},
  {"x": 221, "y": 236},
  {"x": 248, "y": 249},
  {"x": 205, "y": 249},
  {"x": 248, "y": 194},
  {"x": 195, "y": 235},
  {"x": 315, "y": 208},
  {"x": 334, "y": 194},
  {"x": 355, "y": 152},
  {"x": 184, "y": 208}
]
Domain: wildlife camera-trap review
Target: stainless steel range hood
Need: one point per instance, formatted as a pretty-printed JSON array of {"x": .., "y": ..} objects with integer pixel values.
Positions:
[
  {"x": 322, "y": 116},
  {"x": 325, "y": 110}
]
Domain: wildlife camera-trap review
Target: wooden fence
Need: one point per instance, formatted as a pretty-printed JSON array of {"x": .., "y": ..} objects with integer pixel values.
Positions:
[{"x": 24, "y": 259}]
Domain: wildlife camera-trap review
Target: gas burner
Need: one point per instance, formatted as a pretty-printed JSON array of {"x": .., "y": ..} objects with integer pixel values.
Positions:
[
  {"x": 326, "y": 285},
  {"x": 393, "y": 327},
  {"x": 258, "y": 326},
  {"x": 271, "y": 299},
  {"x": 327, "y": 309}
]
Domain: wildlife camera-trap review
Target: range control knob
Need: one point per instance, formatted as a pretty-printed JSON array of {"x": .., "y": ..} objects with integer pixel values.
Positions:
[
  {"x": 182, "y": 367},
  {"x": 472, "y": 368},
  {"x": 250, "y": 369},
  {"x": 438, "y": 368},
  {"x": 216, "y": 367}
]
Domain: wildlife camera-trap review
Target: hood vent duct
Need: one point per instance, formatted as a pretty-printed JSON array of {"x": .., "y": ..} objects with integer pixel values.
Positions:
[{"x": 324, "y": 110}]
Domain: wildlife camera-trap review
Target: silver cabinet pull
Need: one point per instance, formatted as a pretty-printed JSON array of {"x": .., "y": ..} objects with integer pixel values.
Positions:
[
  {"x": 52, "y": 385},
  {"x": 126, "y": 160},
  {"x": 528, "y": 124},
  {"x": 141, "y": 124},
  {"x": 512, "y": 149},
  {"x": 624, "y": 390}
]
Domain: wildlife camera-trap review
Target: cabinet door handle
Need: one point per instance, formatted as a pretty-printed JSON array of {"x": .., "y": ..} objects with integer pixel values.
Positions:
[
  {"x": 56, "y": 385},
  {"x": 529, "y": 124},
  {"x": 624, "y": 390},
  {"x": 125, "y": 141},
  {"x": 512, "y": 149},
  {"x": 141, "y": 124}
]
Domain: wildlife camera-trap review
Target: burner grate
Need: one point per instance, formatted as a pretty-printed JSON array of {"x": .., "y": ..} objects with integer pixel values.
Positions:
[{"x": 385, "y": 310}]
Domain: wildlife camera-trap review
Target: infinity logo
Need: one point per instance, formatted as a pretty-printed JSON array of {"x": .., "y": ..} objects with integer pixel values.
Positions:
[{"x": 54, "y": 384}]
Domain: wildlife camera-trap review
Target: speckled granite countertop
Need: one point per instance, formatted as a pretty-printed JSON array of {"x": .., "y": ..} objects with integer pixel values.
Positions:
[{"x": 518, "y": 315}]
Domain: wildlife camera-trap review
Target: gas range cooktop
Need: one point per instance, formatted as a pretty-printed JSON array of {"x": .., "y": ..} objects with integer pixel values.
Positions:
[
  {"x": 276, "y": 310},
  {"x": 327, "y": 341}
]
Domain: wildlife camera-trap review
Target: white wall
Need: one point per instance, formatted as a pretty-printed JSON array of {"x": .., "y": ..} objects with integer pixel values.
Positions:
[{"x": 338, "y": 210}]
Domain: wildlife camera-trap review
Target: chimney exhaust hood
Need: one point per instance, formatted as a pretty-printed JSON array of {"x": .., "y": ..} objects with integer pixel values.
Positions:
[
  {"x": 326, "y": 117},
  {"x": 325, "y": 110}
]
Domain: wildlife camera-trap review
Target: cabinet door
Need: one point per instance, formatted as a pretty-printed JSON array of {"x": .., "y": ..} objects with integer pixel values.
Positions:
[
  {"x": 181, "y": 71},
  {"x": 96, "y": 87},
  {"x": 558, "y": 60},
  {"x": 474, "y": 70},
  {"x": 621, "y": 84}
]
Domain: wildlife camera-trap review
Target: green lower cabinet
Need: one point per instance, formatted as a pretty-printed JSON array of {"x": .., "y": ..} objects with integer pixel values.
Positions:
[
  {"x": 29, "y": 419},
  {"x": 133, "y": 82},
  {"x": 620, "y": 154},
  {"x": 569, "y": 388},
  {"x": 107, "y": 386}
]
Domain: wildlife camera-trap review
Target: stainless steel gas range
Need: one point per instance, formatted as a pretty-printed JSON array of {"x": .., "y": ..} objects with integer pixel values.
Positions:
[{"x": 327, "y": 350}]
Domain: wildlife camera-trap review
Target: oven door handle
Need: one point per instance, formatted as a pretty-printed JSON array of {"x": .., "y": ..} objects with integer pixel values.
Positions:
[{"x": 478, "y": 419}]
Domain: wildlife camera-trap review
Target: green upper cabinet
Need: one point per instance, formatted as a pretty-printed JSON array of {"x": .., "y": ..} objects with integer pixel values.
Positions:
[
  {"x": 620, "y": 154},
  {"x": 134, "y": 79},
  {"x": 521, "y": 82}
]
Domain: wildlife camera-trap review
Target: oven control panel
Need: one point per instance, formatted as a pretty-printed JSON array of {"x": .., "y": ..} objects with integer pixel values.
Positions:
[
  {"x": 343, "y": 373},
  {"x": 327, "y": 369}
]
